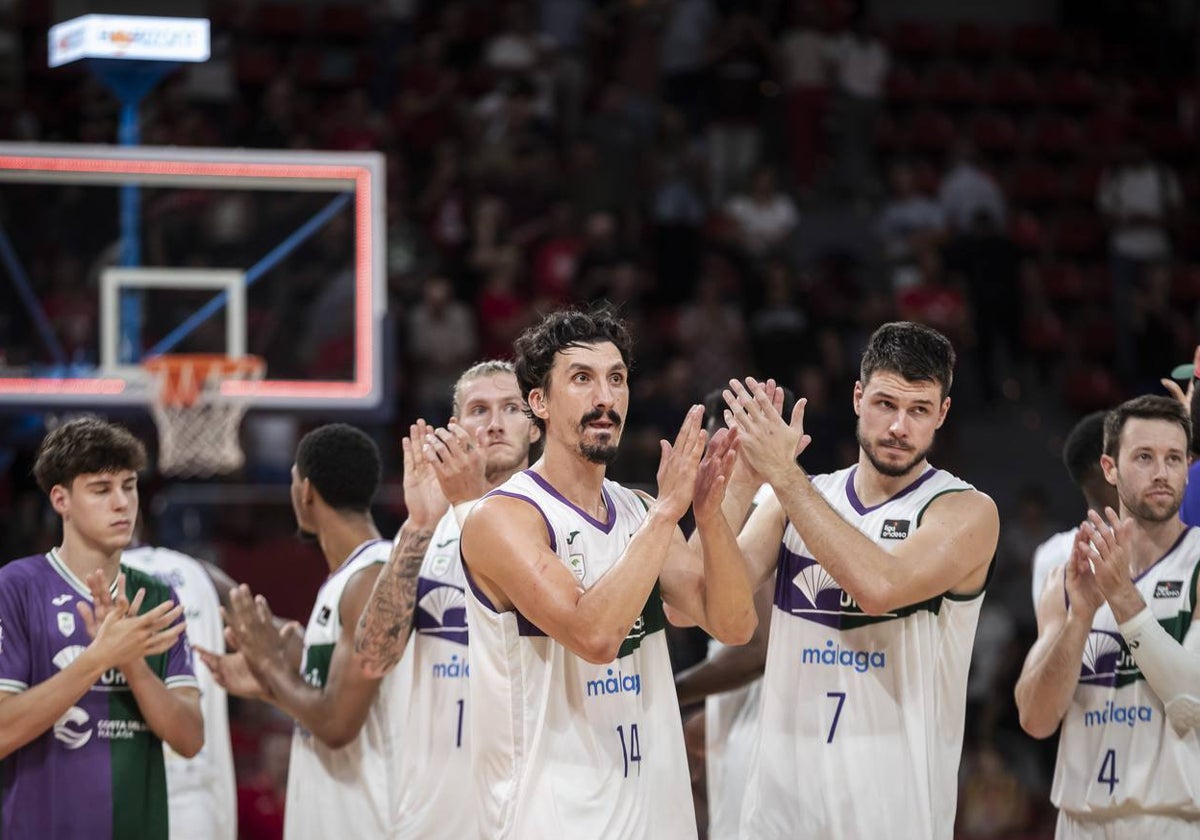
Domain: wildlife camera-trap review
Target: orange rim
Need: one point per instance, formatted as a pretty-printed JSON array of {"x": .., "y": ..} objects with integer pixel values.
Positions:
[{"x": 182, "y": 376}]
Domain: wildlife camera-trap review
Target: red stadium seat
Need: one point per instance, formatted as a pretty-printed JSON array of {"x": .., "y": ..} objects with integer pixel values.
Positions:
[
  {"x": 1078, "y": 235},
  {"x": 902, "y": 87},
  {"x": 1014, "y": 87},
  {"x": 1185, "y": 285},
  {"x": 914, "y": 39},
  {"x": 1035, "y": 42},
  {"x": 1064, "y": 283},
  {"x": 931, "y": 131},
  {"x": 344, "y": 20},
  {"x": 973, "y": 42},
  {"x": 994, "y": 134},
  {"x": 1056, "y": 135},
  {"x": 1035, "y": 184},
  {"x": 1073, "y": 89},
  {"x": 953, "y": 84}
]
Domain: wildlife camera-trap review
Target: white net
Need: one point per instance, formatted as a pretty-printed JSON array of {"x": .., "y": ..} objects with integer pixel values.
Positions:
[{"x": 197, "y": 424}]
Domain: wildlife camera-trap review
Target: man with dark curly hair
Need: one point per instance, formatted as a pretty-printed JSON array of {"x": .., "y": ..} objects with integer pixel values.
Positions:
[
  {"x": 91, "y": 700},
  {"x": 574, "y": 722}
]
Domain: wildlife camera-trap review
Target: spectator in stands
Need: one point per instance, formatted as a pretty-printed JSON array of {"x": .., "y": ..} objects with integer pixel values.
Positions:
[
  {"x": 987, "y": 264},
  {"x": 689, "y": 25},
  {"x": 861, "y": 62},
  {"x": 712, "y": 333},
  {"x": 520, "y": 51},
  {"x": 764, "y": 216},
  {"x": 1139, "y": 198},
  {"x": 442, "y": 342},
  {"x": 743, "y": 62},
  {"x": 907, "y": 222},
  {"x": 966, "y": 188},
  {"x": 806, "y": 57}
]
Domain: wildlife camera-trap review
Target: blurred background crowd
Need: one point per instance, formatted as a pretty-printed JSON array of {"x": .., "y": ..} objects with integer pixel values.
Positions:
[{"x": 758, "y": 185}]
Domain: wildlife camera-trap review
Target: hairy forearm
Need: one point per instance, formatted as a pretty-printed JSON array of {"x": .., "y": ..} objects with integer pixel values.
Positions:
[
  {"x": 386, "y": 622},
  {"x": 1049, "y": 678},
  {"x": 856, "y": 563},
  {"x": 172, "y": 714},
  {"x": 25, "y": 716},
  {"x": 607, "y": 610}
]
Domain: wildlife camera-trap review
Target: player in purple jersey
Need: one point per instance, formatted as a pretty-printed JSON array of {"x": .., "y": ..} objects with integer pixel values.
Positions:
[{"x": 90, "y": 689}]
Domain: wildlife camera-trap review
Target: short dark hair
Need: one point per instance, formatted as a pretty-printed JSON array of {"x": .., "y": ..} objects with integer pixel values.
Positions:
[
  {"x": 538, "y": 345},
  {"x": 1145, "y": 407},
  {"x": 913, "y": 351},
  {"x": 343, "y": 465},
  {"x": 86, "y": 445},
  {"x": 1084, "y": 446},
  {"x": 1194, "y": 413}
]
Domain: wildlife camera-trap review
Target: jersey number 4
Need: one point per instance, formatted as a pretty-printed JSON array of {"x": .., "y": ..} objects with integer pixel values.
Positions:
[{"x": 1109, "y": 766}]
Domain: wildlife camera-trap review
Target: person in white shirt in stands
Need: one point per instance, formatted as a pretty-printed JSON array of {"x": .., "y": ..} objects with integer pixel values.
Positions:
[
  {"x": 861, "y": 64},
  {"x": 966, "y": 189},
  {"x": 1138, "y": 199},
  {"x": 765, "y": 216}
]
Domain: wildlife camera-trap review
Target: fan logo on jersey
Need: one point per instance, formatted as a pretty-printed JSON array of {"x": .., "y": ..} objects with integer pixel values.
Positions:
[
  {"x": 1168, "y": 589},
  {"x": 71, "y": 729},
  {"x": 441, "y": 611},
  {"x": 807, "y": 591},
  {"x": 66, "y": 624},
  {"x": 894, "y": 529},
  {"x": 1107, "y": 661}
]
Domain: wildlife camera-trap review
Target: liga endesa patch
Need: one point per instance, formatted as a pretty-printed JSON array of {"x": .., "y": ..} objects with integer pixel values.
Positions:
[{"x": 894, "y": 529}]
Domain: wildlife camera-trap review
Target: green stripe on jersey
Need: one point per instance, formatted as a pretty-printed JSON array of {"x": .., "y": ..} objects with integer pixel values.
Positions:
[
  {"x": 139, "y": 779},
  {"x": 316, "y": 664},
  {"x": 652, "y": 620}
]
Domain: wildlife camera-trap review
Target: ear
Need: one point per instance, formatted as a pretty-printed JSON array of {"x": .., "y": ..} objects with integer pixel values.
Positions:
[
  {"x": 942, "y": 413},
  {"x": 858, "y": 395},
  {"x": 60, "y": 499},
  {"x": 308, "y": 493},
  {"x": 1109, "y": 465},
  {"x": 537, "y": 403}
]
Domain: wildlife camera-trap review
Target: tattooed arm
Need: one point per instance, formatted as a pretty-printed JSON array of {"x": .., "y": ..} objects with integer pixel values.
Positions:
[{"x": 385, "y": 624}]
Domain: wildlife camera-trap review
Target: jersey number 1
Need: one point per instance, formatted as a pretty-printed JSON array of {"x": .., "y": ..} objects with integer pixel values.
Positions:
[
  {"x": 631, "y": 750},
  {"x": 1109, "y": 766}
]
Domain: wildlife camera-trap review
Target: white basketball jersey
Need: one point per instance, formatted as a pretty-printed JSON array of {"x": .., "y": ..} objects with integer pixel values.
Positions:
[
  {"x": 201, "y": 793},
  {"x": 347, "y": 792},
  {"x": 1117, "y": 754},
  {"x": 862, "y": 716},
  {"x": 1048, "y": 556},
  {"x": 562, "y": 748},
  {"x": 730, "y": 732},
  {"x": 435, "y": 760}
]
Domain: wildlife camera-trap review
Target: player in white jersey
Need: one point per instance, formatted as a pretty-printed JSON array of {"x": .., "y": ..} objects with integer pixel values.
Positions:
[
  {"x": 880, "y": 576},
  {"x": 575, "y": 728},
  {"x": 1117, "y": 660},
  {"x": 201, "y": 791},
  {"x": 1081, "y": 455},
  {"x": 416, "y": 615},
  {"x": 341, "y": 780}
]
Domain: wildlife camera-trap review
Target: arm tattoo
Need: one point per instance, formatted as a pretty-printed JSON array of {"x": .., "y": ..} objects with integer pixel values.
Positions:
[{"x": 387, "y": 619}]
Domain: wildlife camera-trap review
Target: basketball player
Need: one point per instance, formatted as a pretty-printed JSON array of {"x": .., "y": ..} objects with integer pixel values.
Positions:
[
  {"x": 881, "y": 569},
  {"x": 342, "y": 773},
  {"x": 486, "y": 441},
  {"x": 1081, "y": 454},
  {"x": 575, "y": 728},
  {"x": 85, "y": 705},
  {"x": 201, "y": 791},
  {"x": 1117, "y": 660}
]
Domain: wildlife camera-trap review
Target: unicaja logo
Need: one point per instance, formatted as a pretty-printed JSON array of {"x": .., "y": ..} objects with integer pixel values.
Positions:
[
  {"x": 833, "y": 654},
  {"x": 71, "y": 729}
]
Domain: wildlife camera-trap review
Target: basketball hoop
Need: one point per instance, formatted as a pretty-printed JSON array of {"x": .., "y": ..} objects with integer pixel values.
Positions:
[{"x": 197, "y": 423}]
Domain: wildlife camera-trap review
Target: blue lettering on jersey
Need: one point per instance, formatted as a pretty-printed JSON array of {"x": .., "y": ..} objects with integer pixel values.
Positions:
[
  {"x": 1111, "y": 714},
  {"x": 834, "y": 654},
  {"x": 453, "y": 669},
  {"x": 617, "y": 683}
]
